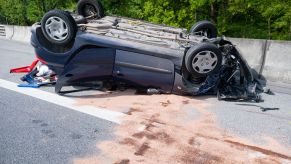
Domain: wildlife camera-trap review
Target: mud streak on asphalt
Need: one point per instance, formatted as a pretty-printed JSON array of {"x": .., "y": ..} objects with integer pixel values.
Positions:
[{"x": 160, "y": 129}]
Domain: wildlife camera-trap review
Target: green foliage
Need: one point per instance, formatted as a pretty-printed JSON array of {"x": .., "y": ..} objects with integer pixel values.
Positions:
[{"x": 263, "y": 19}]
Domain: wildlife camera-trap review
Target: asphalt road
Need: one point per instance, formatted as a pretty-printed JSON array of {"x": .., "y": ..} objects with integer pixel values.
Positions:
[{"x": 36, "y": 131}]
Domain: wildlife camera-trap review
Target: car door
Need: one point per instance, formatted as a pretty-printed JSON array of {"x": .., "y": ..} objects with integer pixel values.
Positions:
[
  {"x": 89, "y": 64},
  {"x": 144, "y": 70}
]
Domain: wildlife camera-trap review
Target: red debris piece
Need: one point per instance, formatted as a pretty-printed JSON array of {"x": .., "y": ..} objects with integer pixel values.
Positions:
[{"x": 26, "y": 69}]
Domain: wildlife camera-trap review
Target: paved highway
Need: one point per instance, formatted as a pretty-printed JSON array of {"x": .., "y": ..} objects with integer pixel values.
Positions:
[{"x": 34, "y": 130}]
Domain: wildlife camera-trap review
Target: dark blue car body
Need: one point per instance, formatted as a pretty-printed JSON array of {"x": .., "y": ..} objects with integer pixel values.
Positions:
[
  {"x": 95, "y": 58},
  {"x": 100, "y": 58}
]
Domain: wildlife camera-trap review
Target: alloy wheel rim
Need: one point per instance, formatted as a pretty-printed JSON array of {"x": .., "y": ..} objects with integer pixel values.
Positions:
[
  {"x": 56, "y": 28},
  {"x": 204, "y": 62}
]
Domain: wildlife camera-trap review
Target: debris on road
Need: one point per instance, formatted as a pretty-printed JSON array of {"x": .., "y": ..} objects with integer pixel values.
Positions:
[
  {"x": 25, "y": 69},
  {"x": 37, "y": 75}
]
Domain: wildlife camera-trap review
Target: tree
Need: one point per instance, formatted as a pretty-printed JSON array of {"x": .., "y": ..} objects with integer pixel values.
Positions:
[
  {"x": 14, "y": 11},
  {"x": 263, "y": 19}
]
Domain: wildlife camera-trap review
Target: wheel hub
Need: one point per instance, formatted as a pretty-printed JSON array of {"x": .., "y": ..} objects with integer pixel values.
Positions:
[
  {"x": 56, "y": 28},
  {"x": 204, "y": 62}
]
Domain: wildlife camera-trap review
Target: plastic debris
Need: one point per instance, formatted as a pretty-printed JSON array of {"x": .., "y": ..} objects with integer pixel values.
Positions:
[
  {"x": 25, "y": 69},
  {"x": 37, "y": 75}
]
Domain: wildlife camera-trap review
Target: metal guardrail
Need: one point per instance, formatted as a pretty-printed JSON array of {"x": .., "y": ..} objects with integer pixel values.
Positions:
[{"x": 2, "y": 31}]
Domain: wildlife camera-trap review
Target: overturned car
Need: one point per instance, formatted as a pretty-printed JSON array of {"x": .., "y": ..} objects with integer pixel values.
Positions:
[{"x": 89, "y": 47}]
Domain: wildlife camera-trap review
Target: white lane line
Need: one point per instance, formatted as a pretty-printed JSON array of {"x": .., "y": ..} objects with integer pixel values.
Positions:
[{"x": 64, "y": 102}]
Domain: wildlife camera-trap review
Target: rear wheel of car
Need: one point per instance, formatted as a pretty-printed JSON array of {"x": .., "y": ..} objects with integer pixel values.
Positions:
[
  {"x": 204, "y": 28},
  {"x": 59, "y": 27},
  {"x": 90, "y": 8},
  {"x": 203, "y": 59}
]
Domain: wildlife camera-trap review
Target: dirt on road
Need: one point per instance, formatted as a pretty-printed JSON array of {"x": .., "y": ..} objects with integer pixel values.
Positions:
[{"x": 174, "y": 129}]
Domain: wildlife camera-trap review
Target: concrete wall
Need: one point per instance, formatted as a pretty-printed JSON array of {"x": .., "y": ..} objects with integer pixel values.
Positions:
[
  {"x": 2, "y": 31},
  {"x": 21, "y": 34},
  {"x": 277, "y": 66},
  {"x": 271, "y": 59},
  {"x": 9, "y": 32},
  {"x": 17, "y": 33},
  {"x": 252, "y": 50}
]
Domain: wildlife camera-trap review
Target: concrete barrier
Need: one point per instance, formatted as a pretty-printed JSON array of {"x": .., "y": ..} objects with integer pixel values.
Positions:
[
  {"x": 271, "y": 59},
  {"x": 277, "y": 66},
  {"x": 21, "y": 34},
  {"x": 9, "y": 31},
  {"x": 2, "y": 31},
  {"x": 253, "y": 50},
  {"x": 6, "y": 31},
  {"x": 17, "y": 33}
]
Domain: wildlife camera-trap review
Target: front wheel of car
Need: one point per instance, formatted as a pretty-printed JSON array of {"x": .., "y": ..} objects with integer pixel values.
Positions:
[
  {"x": 204, "y": 28},
  {"x": 203, "y": 59},
  {"x": 59, "y": 27}
]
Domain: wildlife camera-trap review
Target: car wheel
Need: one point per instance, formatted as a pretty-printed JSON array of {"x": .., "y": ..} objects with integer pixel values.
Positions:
[
  {"x": 59, "y": 27},
  {"x": 88, "y": 8},
  {"x": 204, "y": 28},
  {"x": 203, "y": 59}
]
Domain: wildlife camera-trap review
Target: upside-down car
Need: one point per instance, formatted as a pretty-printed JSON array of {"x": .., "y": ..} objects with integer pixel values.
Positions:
[{"x": 88, "y": 47}]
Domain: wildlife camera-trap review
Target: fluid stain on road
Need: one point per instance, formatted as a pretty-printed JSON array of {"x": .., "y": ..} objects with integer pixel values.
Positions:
[{"x": 155, "y": 131}]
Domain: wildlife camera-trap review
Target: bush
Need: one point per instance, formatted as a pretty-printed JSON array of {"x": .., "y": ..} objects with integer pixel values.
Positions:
[{"x": 263, "y": 19}]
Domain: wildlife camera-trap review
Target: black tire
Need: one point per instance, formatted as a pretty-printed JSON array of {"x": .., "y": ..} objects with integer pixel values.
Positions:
[
  {"x": 204, "y": 28},
  {"x": 88, "y": 8},
  {"x": 205, "y": 55},
  {"x": 68, "y": 24}
]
